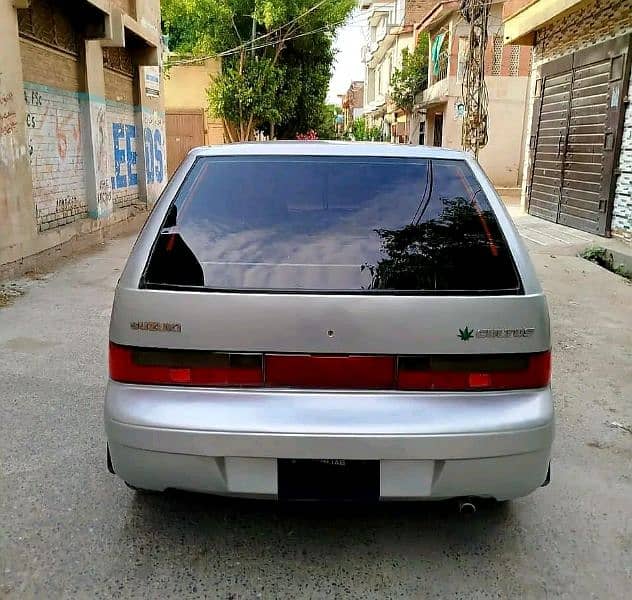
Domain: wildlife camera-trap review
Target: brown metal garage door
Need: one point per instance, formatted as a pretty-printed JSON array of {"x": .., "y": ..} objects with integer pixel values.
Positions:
[
  {"x": 185, "y": 130},
  {"x": 576, "y": 133}
]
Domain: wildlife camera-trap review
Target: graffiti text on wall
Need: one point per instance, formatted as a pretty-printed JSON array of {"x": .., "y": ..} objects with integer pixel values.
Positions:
[
  {"x": 125, "y": 156},
  {"x": 8, "y": 118}
]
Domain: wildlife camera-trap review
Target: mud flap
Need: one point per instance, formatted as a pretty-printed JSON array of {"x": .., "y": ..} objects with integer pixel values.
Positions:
[
  {"x": 548, "y": 477},
  {"x": 109, "y": 460}
]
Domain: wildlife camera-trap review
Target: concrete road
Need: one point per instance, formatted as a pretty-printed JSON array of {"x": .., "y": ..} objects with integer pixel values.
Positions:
[{"x": 69, "y": 529}]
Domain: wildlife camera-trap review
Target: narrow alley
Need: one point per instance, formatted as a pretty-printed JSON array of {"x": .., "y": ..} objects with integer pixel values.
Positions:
[{"x": 78, "y": 531}]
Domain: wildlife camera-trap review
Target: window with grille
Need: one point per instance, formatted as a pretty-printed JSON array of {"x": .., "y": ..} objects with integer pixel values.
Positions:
[
  {"x": 514, "y": 61},
  {"x": 46, "y": 23},
  {"x": 498, "y": 55}
]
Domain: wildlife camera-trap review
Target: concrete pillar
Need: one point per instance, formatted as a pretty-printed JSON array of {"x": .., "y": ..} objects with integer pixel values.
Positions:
[
  {"x": 17, "y": 213},
  {"x": 95, "y": 134},
  {"x": 151, "y": 143}
]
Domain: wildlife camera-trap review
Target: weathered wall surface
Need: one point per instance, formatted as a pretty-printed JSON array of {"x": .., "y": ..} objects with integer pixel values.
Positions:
[
  {"x": 121, "y": 127},
  {"x": 622, "y": 213},
  {"x": 16, "y": 208},
  {"x": 53, "y": 123},
  {"x": 81, "y": 144},
  {"x": 185, "y": 88},
  {"x": 154, "y": 136},
  {"x": 595, "y": 22}
]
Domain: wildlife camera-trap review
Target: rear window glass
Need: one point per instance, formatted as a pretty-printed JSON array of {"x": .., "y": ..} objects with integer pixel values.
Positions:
[{"x": 332, "y": 224}]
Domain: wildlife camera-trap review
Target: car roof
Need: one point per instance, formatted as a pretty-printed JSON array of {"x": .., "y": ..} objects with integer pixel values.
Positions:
[{"x": 328, "y": 148}]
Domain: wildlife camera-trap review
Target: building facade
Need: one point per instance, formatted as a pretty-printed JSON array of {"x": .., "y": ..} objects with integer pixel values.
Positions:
[
  {"x": 578, "y": 156},
  {"x": 441, "y": 107},
  {"x": 352, "y": 104},
  {"x": 390, "y": 32},
  {"x": 82, "y": 131},
  {"x": 188, "y": 121}
]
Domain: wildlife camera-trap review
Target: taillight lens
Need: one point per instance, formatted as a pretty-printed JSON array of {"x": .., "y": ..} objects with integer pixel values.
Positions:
[
  {"x": 502, "y": 372},
  {"x": 307, "y": 371},
  {"x": 185, "y": 367},
  {"x": 330, "y": 371}
]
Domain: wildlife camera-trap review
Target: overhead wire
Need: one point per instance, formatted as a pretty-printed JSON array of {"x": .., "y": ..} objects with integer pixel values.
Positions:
[{"x": 251, "y": 44}]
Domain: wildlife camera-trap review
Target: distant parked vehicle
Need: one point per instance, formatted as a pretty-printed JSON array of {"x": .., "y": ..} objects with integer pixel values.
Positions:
[{"x": 330, "y": 321}]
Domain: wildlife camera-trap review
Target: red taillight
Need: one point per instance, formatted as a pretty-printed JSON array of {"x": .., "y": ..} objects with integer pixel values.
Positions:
[
  {"x": 502, "y": 372},
  {"x": 306, "y": 371},
  {"x": 318, "y": 371},
  {"x": 165, "y": 367}
]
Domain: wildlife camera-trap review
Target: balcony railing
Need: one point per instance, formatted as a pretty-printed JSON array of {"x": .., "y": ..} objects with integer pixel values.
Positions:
[{"x": 439, "y": 70}]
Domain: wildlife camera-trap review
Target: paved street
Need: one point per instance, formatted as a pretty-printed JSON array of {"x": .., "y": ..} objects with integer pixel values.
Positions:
[{"x": 69, "y": 529}]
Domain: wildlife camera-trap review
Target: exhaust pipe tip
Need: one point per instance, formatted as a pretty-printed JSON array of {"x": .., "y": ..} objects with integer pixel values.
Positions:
[{"x": 467, "y": 507}]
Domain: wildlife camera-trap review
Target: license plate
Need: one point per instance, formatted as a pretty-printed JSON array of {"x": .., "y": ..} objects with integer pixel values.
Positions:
[{"x": 329, "y": 479}]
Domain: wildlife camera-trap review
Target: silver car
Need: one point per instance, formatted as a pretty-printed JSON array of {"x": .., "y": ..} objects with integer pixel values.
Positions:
[{"x": 330, "y": 321}]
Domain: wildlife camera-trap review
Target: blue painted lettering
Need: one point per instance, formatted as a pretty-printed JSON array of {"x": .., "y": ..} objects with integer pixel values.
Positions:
[
  {"x": 149, "y": 155},
  {"x": 124, "y": 141},
  {"x": 130, "y": 147},
  {"x": 120, "y": 156},
  {"x": 158, "y": 156}
]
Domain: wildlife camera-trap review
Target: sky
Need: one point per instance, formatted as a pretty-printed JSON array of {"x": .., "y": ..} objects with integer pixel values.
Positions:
[{"x": 348, "y": 66}]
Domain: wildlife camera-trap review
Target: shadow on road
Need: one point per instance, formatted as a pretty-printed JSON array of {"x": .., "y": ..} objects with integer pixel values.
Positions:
[{"x": 325, "y": 528}]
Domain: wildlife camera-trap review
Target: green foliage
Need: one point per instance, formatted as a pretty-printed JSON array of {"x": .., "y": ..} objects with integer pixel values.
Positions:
[
  {"x": 308, "y": 61},
  {"x": 325, "y": 121},
  {"x": 412, "y": 78},
  {"x": 252, "y": 93},
  {"x": 604, "y": 258},
  {"x": 597, "y": 254},
  {"x": 362, "y": 132},
  {"x": 279, "y": 79},
  {"x": 359, "y": 129}
]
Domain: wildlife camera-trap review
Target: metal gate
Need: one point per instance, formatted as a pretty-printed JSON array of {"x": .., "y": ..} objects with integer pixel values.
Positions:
[
  {"x": 185, "y": 130},
  {"x": 576, "y": 136}
]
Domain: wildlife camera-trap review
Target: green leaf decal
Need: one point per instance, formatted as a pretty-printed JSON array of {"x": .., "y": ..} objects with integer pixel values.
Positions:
[{"x": 466, "y": 334}]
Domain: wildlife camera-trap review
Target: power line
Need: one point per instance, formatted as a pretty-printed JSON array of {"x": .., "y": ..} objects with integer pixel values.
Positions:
[{"x": 251, "y": 43}]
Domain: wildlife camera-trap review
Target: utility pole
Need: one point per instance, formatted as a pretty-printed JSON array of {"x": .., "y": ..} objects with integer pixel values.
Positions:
[{"x": 474, "y": 134}]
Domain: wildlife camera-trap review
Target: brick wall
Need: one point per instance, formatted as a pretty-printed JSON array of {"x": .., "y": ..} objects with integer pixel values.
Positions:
[
  {"x": 416, "y": 10},
  {"x": 52, "y": 83},
  {"x": 53, "y": 94},
  {"x": 53, "y": 124},
  {"x": 597, "y": 21},
  {"x": 43, "y": 65},
  {"x": 622, "y": 214},
  {"x": 119, "y": 88}
]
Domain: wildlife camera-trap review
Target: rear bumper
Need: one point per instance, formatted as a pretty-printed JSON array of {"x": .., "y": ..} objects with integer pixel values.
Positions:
[{"x": 431, "y": 445}]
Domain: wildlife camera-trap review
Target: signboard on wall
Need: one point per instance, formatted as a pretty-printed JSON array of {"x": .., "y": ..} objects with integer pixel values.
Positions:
[{"x": 152, "y": 82}]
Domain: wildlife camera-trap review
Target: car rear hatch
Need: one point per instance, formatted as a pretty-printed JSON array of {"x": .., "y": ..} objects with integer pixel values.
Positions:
[{"x": 331, "y": 272}]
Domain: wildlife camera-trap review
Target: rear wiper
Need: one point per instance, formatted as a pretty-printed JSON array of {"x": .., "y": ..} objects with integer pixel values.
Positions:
[{"x": 427, "y": 189}]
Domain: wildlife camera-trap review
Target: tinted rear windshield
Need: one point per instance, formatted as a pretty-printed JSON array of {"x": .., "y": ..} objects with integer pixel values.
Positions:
[{"x": 332, "y": 224}]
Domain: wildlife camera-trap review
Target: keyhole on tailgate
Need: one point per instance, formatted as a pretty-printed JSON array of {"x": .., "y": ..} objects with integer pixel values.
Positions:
[{"x": 331, "y": 333}]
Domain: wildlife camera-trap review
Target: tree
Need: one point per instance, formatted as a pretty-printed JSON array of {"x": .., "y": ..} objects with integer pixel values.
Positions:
[
  {"x": 308, "y": 61},
  {"x": 361, "y": 131},
  {"x": 273, "y": 72},
  {"x": 406, "y": 83}
]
